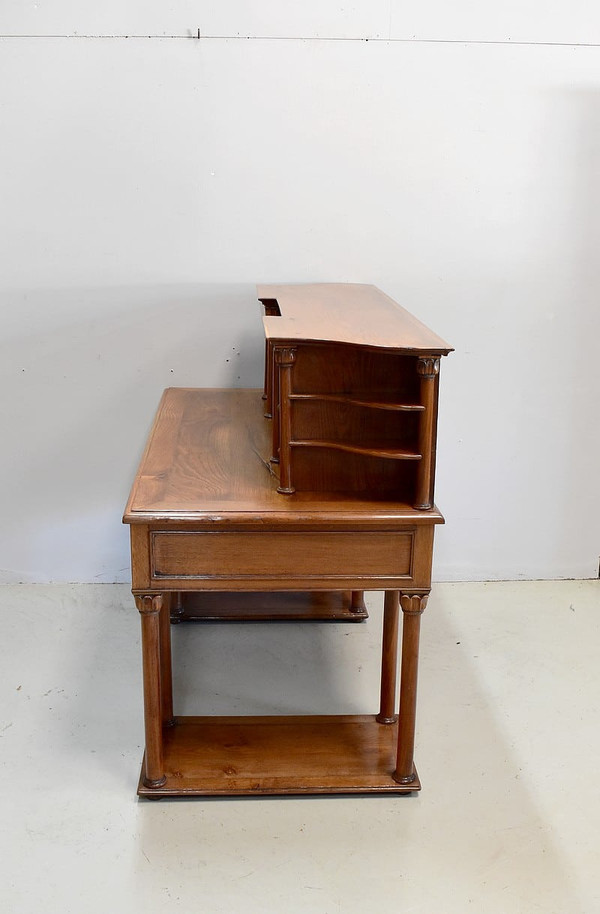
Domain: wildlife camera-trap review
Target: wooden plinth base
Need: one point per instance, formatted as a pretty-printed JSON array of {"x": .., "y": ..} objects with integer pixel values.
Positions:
[
  {"x": 266, "y": 607},
  {"x": 235, "y": 756}
]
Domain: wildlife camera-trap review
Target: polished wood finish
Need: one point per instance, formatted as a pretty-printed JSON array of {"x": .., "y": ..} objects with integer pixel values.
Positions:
[
  {"x": 205, "y": 516},
  {"x": 235, "y": 515},
  {"x": 389, "y": 659},
  {"x": 354, "y": 313},
  {"x": 412, "y": 606},
  {"x": 357, "y": 606},
  {"x": 285, "y": 359},
  {"x": 208, "y": 756},
  {"x": 291, "y": 606},
  {"x": 207, "y": 465},
  {"x": 178, "y": 609},
  {"x": 241, "y": 556},
  {"x": 274, "y": 402},
  {"x": 350, "y": 385},
  {"x": 205, "y": 513},
  {"x": 150, "y": 606},
  {"x": 427, "y": 370},
  {"x": 166, "y": 675}
]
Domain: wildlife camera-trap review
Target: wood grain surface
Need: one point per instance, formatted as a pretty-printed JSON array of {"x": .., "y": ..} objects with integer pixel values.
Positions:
[
  {"x": 353, "y": 313},
  {"x": 309, "y": 606},
  {"x": 207, "y": 461},
  {"x": 279, "y": 755}
]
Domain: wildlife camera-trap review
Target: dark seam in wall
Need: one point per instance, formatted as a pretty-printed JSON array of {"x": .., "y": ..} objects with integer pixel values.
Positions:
[{"x": 193, "y": 37}]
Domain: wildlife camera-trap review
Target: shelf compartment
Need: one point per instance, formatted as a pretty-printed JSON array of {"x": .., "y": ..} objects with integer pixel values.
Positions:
[
  {"x": 334, "y": 606},
  {"x": 365, "y": 401},
  {"x": 388, "y": 453},
  {"x": 229, "y": 756}
]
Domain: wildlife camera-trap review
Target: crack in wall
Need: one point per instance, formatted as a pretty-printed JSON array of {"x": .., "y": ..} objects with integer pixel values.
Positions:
[{"x": 379, "y": 40}]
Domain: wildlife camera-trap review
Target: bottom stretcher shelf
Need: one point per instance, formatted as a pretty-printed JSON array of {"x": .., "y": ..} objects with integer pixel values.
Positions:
[
  {"x": 208, "y": 606},
  {"x": 206, "y": 756}
]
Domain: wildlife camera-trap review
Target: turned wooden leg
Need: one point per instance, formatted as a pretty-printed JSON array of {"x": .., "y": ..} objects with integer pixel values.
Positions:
[
  {"x": 150, "y": 606},
  {"x": 358, "y": 601},
  {"x": 166, "y": 675},
  {"x": 412, "y": 607},
  {"x": 389, "y": 659},
  {"x": 176, "y": 610}
]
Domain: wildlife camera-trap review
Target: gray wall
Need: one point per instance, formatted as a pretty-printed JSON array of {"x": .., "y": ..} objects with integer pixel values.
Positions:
[{"x": 146, "y": 184}]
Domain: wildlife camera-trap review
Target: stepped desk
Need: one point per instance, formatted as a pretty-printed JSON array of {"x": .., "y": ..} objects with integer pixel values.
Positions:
[{"x": 320, "y": 485}]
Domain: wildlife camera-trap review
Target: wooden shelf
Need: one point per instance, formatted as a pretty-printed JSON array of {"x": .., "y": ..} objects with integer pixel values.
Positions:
[
  {"x": 215, "y": 756},
  {"x": 365, "y": 401},
  {"x": 349, "y": 371},
  {"x": 264, "y": 607},
  {"x": 389, "y": 453}
]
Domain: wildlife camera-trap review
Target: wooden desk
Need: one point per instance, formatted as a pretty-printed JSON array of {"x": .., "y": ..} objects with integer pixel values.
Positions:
[{"x": 206, "y": 516}]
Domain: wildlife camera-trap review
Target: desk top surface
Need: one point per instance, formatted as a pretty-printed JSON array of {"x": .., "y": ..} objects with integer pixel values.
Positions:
[
  {"x": 354, "y": 313},
  {"x": 207, "y": 461}
]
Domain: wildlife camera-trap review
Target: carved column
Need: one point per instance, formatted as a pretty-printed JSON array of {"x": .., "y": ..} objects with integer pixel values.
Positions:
[
  {"x": 285, "y": 359},
  {"x": 427, "y": 369},
  {"x": 389, "y": 659},
  {"x": 412, "y": 606},
  {"x": 150, "y": 606}
]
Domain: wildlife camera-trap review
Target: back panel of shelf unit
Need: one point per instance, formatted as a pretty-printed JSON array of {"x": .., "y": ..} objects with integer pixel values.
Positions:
[
  {"x": 339, "y": 368},
  {"x": 324, "y": 470},
  {"x": 367, "y": 376}
]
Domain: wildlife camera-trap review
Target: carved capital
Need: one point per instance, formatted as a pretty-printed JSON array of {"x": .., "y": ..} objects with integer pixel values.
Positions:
[
  {"x": 413, "y": 603},
  {"x": 428, "y": 368},
  {"x": 285, "y": 356},
  {"x": 149, "y": 603}
]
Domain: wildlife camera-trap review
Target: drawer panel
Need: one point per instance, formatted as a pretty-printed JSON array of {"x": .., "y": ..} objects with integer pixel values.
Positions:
[{"x": 269, "y": 556}]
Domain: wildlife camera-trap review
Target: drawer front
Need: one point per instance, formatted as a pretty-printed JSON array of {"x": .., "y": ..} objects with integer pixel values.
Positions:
[{"x": 239, "y": 556}]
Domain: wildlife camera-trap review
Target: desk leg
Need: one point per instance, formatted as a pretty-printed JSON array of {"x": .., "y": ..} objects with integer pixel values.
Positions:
[
  {"x": 166, "y": 675},
  {"x": 176, "y": 607},
  {"x": 358, "y": 601},
  {"x": 412, "y": 608},
  {"x": 150, "y": 607},
  {"x": 389, "y": 658}
]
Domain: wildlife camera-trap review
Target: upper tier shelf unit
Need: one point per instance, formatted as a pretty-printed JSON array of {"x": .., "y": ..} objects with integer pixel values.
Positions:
[{"x": 351, "y": 384}]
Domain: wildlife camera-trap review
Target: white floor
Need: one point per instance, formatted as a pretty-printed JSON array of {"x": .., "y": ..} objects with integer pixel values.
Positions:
[{"x": 508, "y": 750}]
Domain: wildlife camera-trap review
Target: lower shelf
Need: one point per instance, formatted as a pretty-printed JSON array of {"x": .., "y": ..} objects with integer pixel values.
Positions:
[
  {"x": 235, "y": 756},
  {"x": 263, "y": 607}
]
